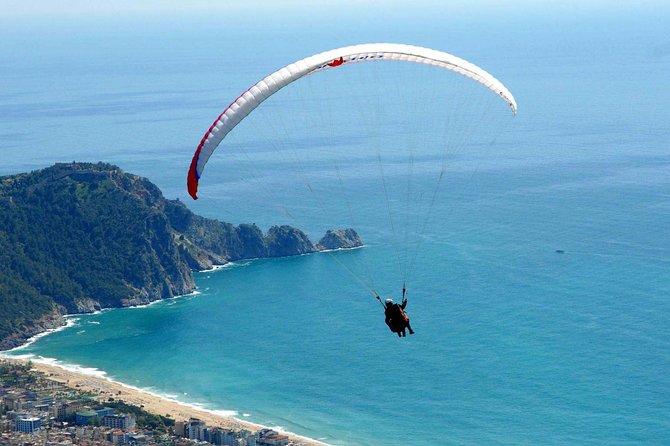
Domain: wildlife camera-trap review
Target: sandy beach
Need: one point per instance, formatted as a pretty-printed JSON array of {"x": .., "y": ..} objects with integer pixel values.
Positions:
[{"x": 106, "y": 388}]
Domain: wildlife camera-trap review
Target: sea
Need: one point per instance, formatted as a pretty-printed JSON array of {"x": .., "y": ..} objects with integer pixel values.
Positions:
[{"x": 540, "y": 294}]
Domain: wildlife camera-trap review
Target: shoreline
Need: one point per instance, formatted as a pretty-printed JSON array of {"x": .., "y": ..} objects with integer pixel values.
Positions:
[
  {"x": 104, "y": 387},
  {"x": 70, "y": 321},
  {"x": 96, "y": 381}
]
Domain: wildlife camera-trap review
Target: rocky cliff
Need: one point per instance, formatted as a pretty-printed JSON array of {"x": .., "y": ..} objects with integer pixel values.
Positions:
[
  {"x": 77, "y": 237},
  {"x": 340, "y": 239}
]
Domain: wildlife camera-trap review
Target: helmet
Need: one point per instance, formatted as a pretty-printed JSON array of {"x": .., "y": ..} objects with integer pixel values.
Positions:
[{"x": 389, "y": 301}]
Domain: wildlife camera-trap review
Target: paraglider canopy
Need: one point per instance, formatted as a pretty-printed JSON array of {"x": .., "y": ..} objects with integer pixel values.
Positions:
[
  {"x": 262, "y": 90},
  {"x": 359, "y": 137}
]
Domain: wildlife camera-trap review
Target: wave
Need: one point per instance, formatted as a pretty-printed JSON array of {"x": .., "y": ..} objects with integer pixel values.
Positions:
[
  {"x": 82, "y": 370},
  {"x": 220, "y": 412},
  {"x": 219, "y": 267},
  {"x": 341, "y": 249},
  {"x": 93, "y": 313},
  {"x": 135, "y": 307},
  {"x": 164, "y": 301},
  {"x": 228, "y": 265}
]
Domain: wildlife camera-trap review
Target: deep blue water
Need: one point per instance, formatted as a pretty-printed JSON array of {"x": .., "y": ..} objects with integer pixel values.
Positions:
[{"x": 515, "y": 344}]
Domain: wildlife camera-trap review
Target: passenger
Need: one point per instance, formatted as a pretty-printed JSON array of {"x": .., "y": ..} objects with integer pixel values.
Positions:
[{"x": 396, "y": 318}]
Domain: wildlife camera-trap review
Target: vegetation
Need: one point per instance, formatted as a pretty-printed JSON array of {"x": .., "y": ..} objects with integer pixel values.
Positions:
[
  {"x": 68, "y": 239},
  {"x": 77, "y": 237},
  {"x": 18, "y": 375},
  {"x": 22, "y": 304}
]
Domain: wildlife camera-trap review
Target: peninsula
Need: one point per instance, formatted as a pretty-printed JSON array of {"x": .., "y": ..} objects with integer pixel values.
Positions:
[{"x": 79, "y": 237}]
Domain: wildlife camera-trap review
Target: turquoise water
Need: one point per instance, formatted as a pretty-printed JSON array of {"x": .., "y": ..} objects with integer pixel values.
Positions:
[{"x": 515, "y": 344}]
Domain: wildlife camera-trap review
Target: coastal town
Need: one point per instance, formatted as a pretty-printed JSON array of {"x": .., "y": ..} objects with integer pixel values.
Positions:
[{"x": 38, "y": 410}]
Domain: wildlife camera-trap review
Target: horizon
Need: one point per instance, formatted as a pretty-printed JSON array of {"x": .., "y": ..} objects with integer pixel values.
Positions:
[{"x": 314, "y": 15}]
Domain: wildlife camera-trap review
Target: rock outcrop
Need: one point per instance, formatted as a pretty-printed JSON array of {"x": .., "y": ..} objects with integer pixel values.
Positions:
[
  {"x": 29, "y": 328},
  {"x": 340, "y": 239}
]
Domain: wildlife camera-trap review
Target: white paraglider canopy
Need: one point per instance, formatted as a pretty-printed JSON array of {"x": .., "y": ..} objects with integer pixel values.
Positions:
[{"x": 262, "y": 90}]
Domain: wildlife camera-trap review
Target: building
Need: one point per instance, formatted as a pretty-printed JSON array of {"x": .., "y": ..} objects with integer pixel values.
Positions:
[
  {"x": 62, "y": 410},
  {"x": 85, "y": 417},
  {"x": 120, "y": 421},
  {"x": 117, "y": 437},
  {"x": 26, "y": 405},
  {"x": 28, "y": 424},
  {"x": 269, "y": 437},
  {"x": 222, "y": 437},
  {"x": 42, "y": 407},
  {"x": 12, "y": 401},
  {"x": 138, "y": 438},
  {"x": 195, "y": 429},
  {"x": 48, "y": 400},
  {"x": 273, "y": 440},
  {"x": 104, "y": 411}
]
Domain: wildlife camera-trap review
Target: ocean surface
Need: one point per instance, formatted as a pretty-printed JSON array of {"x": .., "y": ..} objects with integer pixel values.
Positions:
[{"x": 540, "y": 291}]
